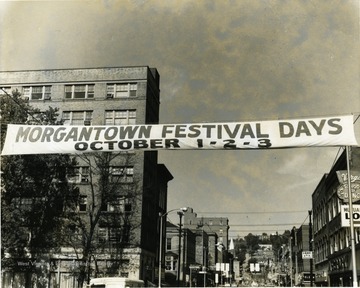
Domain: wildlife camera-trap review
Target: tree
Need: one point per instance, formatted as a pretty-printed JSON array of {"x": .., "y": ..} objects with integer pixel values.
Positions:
[
  {"x": 278, "y": 240},
  {"x": 252, "y": 242},
  {"x": 240, "y": 249},
  {"x": 57, "y": 201},
  {"x": 35, "y": 191},
  {"x": 108, "y": 202}
]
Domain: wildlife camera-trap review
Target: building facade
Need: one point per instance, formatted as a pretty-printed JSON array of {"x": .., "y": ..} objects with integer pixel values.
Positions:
[
  {"x": 300, "y": 241},
  {"x": 213, "y": 244},
  {"x": 331, "y": 241},
  {"x": 103, "y": 96},
  {"x": 174, "y": 274},
  {"x": 218, "y": 230}
]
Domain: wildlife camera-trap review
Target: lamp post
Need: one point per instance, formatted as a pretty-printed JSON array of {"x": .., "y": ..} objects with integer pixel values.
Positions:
[
  {"x": 180, "y": 210},
  {"x": 291, "y": 262},
  {"x": 296, "y": 256},
  {"x": 180, "y": 213},
  {"x": 310, "y": 248},
  {"x": 220, "y": 248}
]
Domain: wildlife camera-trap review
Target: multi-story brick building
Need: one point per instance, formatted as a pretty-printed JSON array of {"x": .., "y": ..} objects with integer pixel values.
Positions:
[
  {"x": 106, "y": 96},
  {"x": 300, "y": 242},
  {"x": 332, "y": 242},
  {"x": 187, "y": 248},
  {"x": 212, "y": 238}
]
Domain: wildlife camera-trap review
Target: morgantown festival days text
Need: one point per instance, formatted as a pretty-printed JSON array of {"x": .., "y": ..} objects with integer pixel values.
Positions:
[{"x": 233, "y": 135}]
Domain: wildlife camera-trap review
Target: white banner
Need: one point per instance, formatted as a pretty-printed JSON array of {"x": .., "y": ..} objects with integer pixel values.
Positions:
[{"x": 325, "y": 131}]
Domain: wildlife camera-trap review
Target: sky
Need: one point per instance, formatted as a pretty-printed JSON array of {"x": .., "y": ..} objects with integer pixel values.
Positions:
[{"x": 229, "y": 60}]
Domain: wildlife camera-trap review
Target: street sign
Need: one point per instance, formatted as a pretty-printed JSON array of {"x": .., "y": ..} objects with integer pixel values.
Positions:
[{"x": 307, "y": 255}]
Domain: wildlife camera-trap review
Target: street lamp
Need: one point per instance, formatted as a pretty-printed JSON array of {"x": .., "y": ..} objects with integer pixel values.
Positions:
[
  {"x": 180, "y": 213},
  {"x": 296, "y": 256},
  {"x": 180, "y": 210},
  {"x": 220, "y": 248}
]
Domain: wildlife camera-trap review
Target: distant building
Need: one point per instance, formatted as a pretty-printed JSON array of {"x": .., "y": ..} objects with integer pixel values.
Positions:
[
  {"x": 104, "y": 96},
  {"x": 212, "y": 238},
  {"x": 300, "y": 243},
  {"x": 187, "y": 247},
  {"x": 216, "y": 227}
]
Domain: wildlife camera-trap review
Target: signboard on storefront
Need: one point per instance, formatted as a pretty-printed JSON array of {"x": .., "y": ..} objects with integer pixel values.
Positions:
[
  {"x": 343, "y": 188},
  {"x": 345, "y": 215},
  {"x": 307, "y": 255}
]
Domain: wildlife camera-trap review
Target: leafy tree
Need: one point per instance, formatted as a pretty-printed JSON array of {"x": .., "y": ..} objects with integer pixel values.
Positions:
[
  {"x": 278, "y": 240},
  {"x": 240, "y": 250},
  {"x": 48, "y": 211},
  {"x": 34, "y": 192},
  {"x": 111, "y": 201},
  {"x": 252, "y": 242}
]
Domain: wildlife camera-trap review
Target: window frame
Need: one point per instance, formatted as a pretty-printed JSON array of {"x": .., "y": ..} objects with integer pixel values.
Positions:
[
  {"x": 85, "y": 120},
  {"x": 88, "y": 91},
  {"x": 81, "y": 174},
  {"x": 121, "y": 90},
  {"x": 102, "y": 234},
  {"x": 45, "y": 94},
  {"x": 168, "y": 243},
  {"x": 83, "y": 203},
  {"x": 117, "y": 205},
  {"x": 5, "y": 90},
  {"x": 114, "y": 207},
  {"x": 120, "y": 117},
  {"x": 122, "y": 174}
]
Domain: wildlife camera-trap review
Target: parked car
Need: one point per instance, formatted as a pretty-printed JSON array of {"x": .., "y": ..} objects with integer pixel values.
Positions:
[{"x": 115, "y": 282}]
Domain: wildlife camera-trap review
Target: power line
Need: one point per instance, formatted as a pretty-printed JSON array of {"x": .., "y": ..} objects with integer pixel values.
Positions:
[
  {"x": 256, "y": 212},
  {"x": 251, "y": 230},
  {"x": 260, "y": 225}
]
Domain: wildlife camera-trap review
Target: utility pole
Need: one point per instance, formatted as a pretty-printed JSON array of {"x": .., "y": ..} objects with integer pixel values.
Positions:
[
  {"x": 352, "y": 232},
  {"x": 296, "y": 256},
  {"x": 180, "y": 213},
  {"x": 291, "y": 262},
  {"x": 162, "y": 215},
  {"x": 310, "y": 248}
]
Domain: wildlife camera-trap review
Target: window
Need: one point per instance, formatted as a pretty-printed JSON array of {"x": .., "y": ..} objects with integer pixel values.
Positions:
[
  {"x": 37, "y": 92},
  {"x": 82, "y": 203},
  {"x": 118, "y": 205},
  {"x": 79, "y": 91},
  {"x": 24, "y": 203},
  {"x": 121, "y": 90},
  {"x": 102, "y": 234},
  {"x": 122, "y": 174},
  {"x": 120, "y": 117},
  {"x": 5, "y": 90},
  {"x": 168, "y": 244},
  {"x": 79, "y": 174},
  {"x": 170, "y": 263},
  {"x": 114, "y": 234},
  {"x": 74, "y": 233},
  {"x": 77, "y": 117}
]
